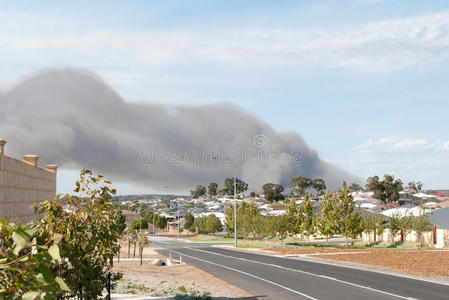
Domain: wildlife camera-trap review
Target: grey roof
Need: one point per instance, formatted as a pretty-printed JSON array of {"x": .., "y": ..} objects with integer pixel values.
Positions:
[{"x": 440, "y": 218}]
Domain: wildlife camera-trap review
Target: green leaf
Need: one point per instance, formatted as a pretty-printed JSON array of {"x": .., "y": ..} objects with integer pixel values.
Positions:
[
  {"x": 57, "y": 237},
  {"x": 20, "y": 242},
  {"x": 48, "y": 296},
  {"x": 54, "y": 252},
  {"x": 30, "y": 295},
  {"x": 48, "y": 275},
  {"x": 62, "y": 284}
]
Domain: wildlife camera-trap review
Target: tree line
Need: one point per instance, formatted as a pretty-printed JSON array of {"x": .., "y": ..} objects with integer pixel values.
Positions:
[
  {"x": 272, "y": 191},
  {"x": 338, "y": 215}
]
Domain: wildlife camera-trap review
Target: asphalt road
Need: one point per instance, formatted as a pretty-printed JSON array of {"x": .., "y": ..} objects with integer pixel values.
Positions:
[{"x": 271, "y": 277}]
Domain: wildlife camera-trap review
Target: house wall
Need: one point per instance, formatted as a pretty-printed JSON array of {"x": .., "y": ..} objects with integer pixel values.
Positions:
[
  {"x": 442, "y": 236},
  {"x": 22, "y": 184}
]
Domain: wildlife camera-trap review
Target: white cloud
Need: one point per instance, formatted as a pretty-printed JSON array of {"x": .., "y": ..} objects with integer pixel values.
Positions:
[
  {"x": 406, "y": 158},
  {"x": 395, "y": 144},
  {"x": 379, "y": 46}
]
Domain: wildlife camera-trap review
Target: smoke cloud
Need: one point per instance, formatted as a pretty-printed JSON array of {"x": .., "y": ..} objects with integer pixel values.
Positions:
[{"x": 72, "y": 117}]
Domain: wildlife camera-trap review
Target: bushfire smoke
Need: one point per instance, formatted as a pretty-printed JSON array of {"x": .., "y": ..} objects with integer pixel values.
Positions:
[{"x": 72, "y": 117}]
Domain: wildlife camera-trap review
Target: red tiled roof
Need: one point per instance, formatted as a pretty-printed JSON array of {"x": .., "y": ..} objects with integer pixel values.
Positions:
[{"x": 440, "y": 194}]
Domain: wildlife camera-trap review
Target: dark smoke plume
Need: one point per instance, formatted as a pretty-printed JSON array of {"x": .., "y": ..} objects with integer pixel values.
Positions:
[{"x": 72, "y": 117}]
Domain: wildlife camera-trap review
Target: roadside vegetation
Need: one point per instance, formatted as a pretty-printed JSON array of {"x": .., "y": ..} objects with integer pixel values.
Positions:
[
  {"x": 69, "y": 251},
  {"x": 338, "y": 218}
]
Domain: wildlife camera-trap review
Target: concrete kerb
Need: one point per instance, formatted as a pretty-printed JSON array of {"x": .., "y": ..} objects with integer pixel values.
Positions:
[
  {"x": 433, "y": 279},
  {"x": 134, "y": 297}
]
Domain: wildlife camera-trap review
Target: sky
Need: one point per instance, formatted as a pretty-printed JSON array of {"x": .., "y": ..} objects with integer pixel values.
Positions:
[{"x": 364, "y": 82}]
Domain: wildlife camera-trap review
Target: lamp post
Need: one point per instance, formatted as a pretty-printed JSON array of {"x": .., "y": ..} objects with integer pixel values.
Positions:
[
  {"x": 235, "y": 211},
  {"x": 177, "y": 202}
]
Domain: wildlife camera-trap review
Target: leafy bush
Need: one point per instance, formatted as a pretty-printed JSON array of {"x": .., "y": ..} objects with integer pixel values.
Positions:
[
  {"x": 208, "y": 224},
  {"x": 137, "y": 224},
  {"x": 27, "y": 262},
  {"x": 89, "y": 227}
]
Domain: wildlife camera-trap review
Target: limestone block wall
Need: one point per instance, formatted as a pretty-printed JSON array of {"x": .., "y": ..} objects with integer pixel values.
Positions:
[
  {"x": 22, "y": 184},
  {"x": 442, "y": 237}
]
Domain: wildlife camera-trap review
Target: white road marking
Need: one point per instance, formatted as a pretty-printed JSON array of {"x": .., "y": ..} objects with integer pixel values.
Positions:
[
  {"x": 245, "y": 273},
  {"x": 305, "y": 272}
]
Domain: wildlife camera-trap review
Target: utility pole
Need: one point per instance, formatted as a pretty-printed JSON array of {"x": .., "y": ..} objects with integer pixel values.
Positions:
[
  {"x": 235, "y": 211},
  {"x": 177, "y": 202},
  {"x": 154, "y": 228}
]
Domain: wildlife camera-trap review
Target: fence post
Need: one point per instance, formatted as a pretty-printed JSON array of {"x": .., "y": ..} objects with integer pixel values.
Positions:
[{"x": 435, "y": 233}]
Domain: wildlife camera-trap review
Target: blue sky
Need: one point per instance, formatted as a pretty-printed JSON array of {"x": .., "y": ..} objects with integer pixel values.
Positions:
[{"x": 364, "y": 82}]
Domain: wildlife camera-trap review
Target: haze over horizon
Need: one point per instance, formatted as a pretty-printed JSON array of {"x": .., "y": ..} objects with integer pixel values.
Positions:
[{"x": 363, "y": 82}]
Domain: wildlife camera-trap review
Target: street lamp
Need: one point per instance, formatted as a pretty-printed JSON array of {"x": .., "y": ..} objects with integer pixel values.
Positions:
[
  {"x": 177, "y": 202},
  {"x": 235, "y": 211},
  {"x": 154, "y": 228}
]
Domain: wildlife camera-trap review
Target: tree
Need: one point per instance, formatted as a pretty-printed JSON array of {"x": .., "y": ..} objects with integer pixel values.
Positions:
[
  {"x": 140, "y": 223},
  {"x": 319, "y": 186},
  {"x": 273, "y": 192},
  {"x": 327, "y": 225},
  {"x": 350, "y": 220},
  {"x": 247, "y": 219},
  {"x": 281, "y": 225},
  {"x": 189, "y": 220},
  {"x": 405, "y": 225},
  {"x": 228, "y": 188},
  {"x": 88, "y": 225},
  {"x": 308, "y": 225},
  {"x": 422, "y": 224},
  {"x": 394, "y": 225},
  {"x": 294, "y": 217},
  {"x": 369, "y": 225},
  {"x": 198, "y": 191},
  {"x": 386, "y": 190},
  {"x": 208, "y": 224},
  {"x": 416, "y": 186},
  {"x": 380, "y": 225},
  {"x": 161, "y": 222},
  {"x": 213, "y": 224},
  {"x": 354, "y": 187},
  {"x": 373, "y": 184},
  {"x": 299, "y": 185},
  {"x": 28, "y": 262},
  {"x": 392, "y": 187},
  {"x": 121, "y": 220},
  {"x": 213, "y": 189},
  {"x": 229, "y": 218},
  {"x": 143, "y": 242}
]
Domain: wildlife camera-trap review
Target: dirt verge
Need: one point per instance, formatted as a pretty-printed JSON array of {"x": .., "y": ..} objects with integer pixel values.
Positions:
[{"x": 167, "y": 281}]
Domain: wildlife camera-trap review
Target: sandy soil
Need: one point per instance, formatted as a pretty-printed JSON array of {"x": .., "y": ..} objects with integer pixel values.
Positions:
[
  {"x": 424, "y": 263},
  {"x": 429, "y": 262},
  {"x": 169, "y": 280}
]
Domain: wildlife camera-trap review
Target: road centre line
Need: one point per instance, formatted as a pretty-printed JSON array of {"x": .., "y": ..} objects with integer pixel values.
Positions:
[
  {"x": 307, "y": 273},
  {"x": 245, "y": 273}
]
